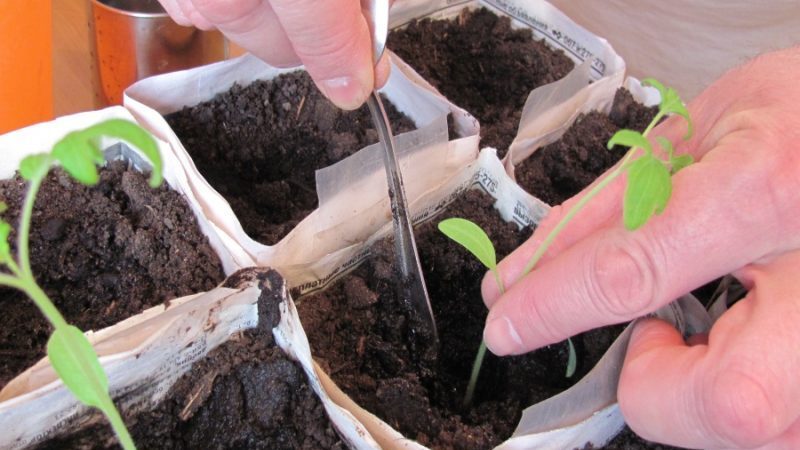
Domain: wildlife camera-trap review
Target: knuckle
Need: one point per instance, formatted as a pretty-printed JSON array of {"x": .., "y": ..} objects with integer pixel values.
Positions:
[
  {"x": 338, "y": 44},
  {"x": 622, "y": 278},
  {"x": 740, "y": 410},
  {"x": 535, "y": 320},
  {"x": 335, "y": 31}
]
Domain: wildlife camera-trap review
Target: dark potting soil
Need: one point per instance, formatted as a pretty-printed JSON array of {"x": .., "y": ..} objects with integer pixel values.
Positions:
[
  {"x": 246, "y": 393},
  {"x": 259, "y": 146},
  {"x": 102, "y": 254},
  {"x": 359, "y": 334},
  {"x": 558, "y": 171},
  {"x": 482, "y": 64},
  {"x": 373, "y": 364}
]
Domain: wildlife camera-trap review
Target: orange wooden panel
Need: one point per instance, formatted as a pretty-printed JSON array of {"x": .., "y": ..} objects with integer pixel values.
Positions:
[{"x": 26, "y": 63}]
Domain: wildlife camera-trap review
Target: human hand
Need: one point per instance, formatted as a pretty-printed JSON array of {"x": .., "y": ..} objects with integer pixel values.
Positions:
[
  {"x": 331, "y": 38},
  {"x": 736, "y": 210}
]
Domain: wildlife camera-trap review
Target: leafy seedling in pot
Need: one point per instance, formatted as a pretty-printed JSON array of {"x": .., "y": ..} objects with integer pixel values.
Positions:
[
  {"x": 70, "y": 353},
  {"x": 472, "y": 237},
  {"x": 647, "y": 193}
]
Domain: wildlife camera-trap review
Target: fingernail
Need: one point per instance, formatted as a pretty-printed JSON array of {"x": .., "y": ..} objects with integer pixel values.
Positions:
[
  {"x": 501, "y": 337},
  {"x": 346, "y": 92}
]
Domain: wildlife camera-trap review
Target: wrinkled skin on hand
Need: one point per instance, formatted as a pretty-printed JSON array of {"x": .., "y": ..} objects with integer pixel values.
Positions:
[
  {"x": 331, "y": 38},
  {"x": 737, "y": 210}
]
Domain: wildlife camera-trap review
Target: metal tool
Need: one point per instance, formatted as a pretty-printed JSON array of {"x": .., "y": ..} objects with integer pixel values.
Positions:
[{"x": 412, "y": 287}]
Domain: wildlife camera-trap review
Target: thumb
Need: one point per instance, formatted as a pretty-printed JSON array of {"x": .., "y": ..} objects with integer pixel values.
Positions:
[{"x": 332, "y": 39}]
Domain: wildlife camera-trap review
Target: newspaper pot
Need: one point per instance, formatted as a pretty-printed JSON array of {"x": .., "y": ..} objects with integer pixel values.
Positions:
[
  {"x": 304, "y": 115},
  {"x": 102, "y": 253},
  {"x": 507, "y": 62},
  {"x": 228, "y": 368},
  {"x": 146, "y": 354},
  {"x": 386, "y": 387}
]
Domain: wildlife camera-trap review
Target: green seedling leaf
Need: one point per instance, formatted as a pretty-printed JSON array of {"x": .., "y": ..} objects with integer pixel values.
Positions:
[
  {"x": 676, "y": 163},
  {"x": 666, "y": 145},
  {"x": 680, "y": 162},
  {"x": 649, "y": 188},
  {"x": 35, "y": 166},
  {"x": 662, "y": 90},
  {"x": 79, "y": 157},
  {"x": 3, "y": 207},
  {"x": 76, "y": 363},
  {"x": 5, "y": 248},
  {"x": 79, "y": 152},
  {"x": 671, "y": 103},
  {"x": 630, "y": 138},
  {"x": 572, "y": 361},
  {"x": 134, "y": 134},
  {"x": 472, "y": 237}
]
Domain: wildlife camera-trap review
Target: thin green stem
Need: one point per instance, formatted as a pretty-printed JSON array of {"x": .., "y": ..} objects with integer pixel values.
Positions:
[
  {"x": 25, "y": 226},
  {"x": 551, "y": 237},
  {"x": 117, "y": 424},
  {"x": 12, "y": 282},
  {"x": 43, "y": 302},
  {"x": 476, "y": 370},
  {"x": 476, "y": 365},
  {"x": 653, "y": 123},
  {"x": 13, "y": 267},
  {"x": 548, "y": 240}
]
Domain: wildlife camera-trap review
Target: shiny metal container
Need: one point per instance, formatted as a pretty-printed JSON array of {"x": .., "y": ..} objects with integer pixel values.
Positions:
[{"x": 134, "y": 39}]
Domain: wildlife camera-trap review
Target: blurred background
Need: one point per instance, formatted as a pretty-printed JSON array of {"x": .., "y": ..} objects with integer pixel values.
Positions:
[{"x": 48, "y": 59}]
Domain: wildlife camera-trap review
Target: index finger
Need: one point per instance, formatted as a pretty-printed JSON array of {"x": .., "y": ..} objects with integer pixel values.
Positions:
[
  {"x": 614, "y": 275},
  {"x": 608, "y": 204},
  {"x": 332, "y": 39}
]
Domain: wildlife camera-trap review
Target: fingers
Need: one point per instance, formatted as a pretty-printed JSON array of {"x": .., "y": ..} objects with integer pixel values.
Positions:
[
  {"x": 175, "y": 12},
  {"x": 740, "y": 390},
  {"x": 607, "y": 206},
  {"x": 613, "y": 275},
  {"x": 332, "y": 39},
  {"x": 595, "y": 215},
  {"x": 253, "y": 25}
]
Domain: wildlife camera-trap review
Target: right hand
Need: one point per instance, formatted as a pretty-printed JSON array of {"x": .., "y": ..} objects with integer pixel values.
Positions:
[
  {"x": 331, "y": 38},
  {"x": 736, "y": 210}
]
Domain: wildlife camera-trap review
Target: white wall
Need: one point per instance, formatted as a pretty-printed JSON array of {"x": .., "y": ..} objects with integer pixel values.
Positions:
[{"x": 688, "y": 43}]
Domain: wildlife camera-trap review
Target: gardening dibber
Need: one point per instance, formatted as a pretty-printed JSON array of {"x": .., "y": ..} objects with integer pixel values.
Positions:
[{"x": 412, "y": 288}]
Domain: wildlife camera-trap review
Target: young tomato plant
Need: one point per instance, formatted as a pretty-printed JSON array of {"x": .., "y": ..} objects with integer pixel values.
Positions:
[
  {"x": 472, "y": 237},
  {"x": 649, "y": 176},
  {"x": 647, "y": 193},
  {"x": 70, "y": 353}
]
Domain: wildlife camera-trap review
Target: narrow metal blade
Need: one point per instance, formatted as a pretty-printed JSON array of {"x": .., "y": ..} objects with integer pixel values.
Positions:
[{"x": 412, "y": 287}]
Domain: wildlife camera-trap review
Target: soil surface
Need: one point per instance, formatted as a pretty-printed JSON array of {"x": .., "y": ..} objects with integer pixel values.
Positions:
[
  {"x": 483, "y": 65},
  {"x": 259, "y": 146},
  {"x": 360, "y": 336},
  {"x": 244, "y": 394},
  {"x": 359, "y": 333},
  {"x": 558, "y": 171},
  {"x": 102, "y": 254}
]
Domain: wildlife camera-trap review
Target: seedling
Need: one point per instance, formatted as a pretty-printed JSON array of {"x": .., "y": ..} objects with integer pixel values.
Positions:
[
  {"x": 647, "y": 193},
  {"x": 649, "y": 176},
  {"x": 70, "y": 353},
  {"x": 472, "y": 237}
]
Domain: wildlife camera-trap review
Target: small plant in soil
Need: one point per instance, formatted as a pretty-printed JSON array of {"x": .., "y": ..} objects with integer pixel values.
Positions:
[
  {"x": 472, "y": 237},
  {"x": 649, "y": 173},
  {"x": 70, "y": 353},
  {"x": 647, "y": 193}
]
